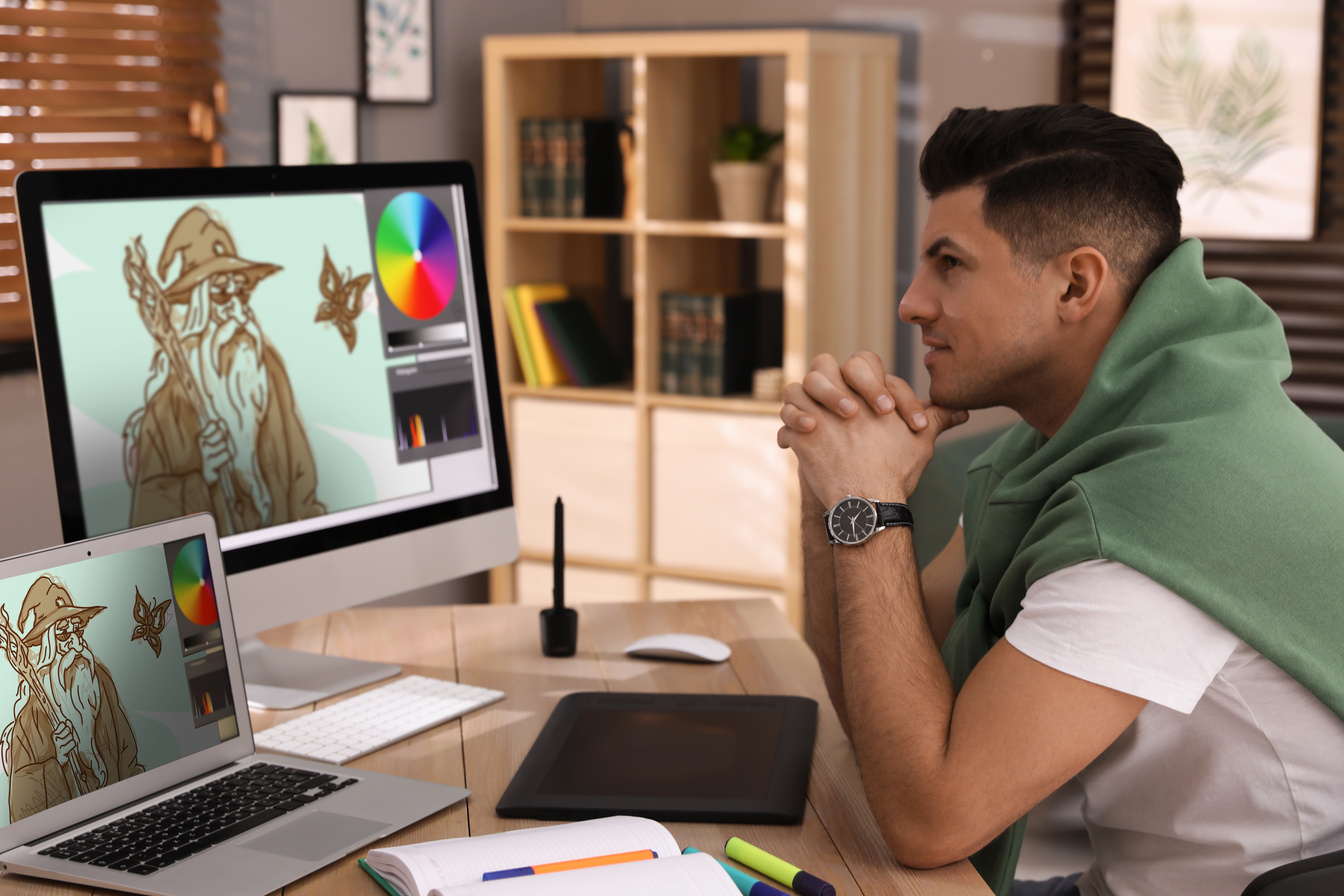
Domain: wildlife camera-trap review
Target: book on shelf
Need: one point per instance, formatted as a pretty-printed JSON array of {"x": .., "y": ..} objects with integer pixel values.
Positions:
[
  {"x": 690, "y": 342},
  {"x": 571, "y": 167},
  {"x": 668, "y": 342},
  {"x": 457, "y": 867},
  {"x": 576, "y": 338},
  {"x": 711, "y": 343},
  {"x": 556, "y": 135},
  {"x": 531, "y": 167},
  {"x": 520, "y": 346},
  {"x": 550, "y": 371}
]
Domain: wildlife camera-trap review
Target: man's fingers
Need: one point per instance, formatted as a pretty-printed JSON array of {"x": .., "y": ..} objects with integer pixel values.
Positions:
[
  {"x": 798, "y": 412},
  {"x": 827, "y": 389},
  {"x": 908, "y": 405},
  {"x": 796, "y": 419},
  {"x": 943, "y": 419},
  {"x": 863, "y": 373}
]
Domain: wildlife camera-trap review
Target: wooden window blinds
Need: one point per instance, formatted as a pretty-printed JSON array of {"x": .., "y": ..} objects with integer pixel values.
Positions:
[
  {"x": 1302, "y": 281},
  {"x": 100, "y": 84}
]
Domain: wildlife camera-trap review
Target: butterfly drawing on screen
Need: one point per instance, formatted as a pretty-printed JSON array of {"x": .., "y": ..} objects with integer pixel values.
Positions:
[
  {"x": 149, "y": 622},
  {"x": 342, "y": 298}
]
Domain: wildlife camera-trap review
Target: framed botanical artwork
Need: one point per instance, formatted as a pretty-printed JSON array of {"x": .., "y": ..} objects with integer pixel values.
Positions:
[
  {"x": 398, "y": 51},
  {"x": 316, "y": 128},
  {"x": 1235, "y": 89}
]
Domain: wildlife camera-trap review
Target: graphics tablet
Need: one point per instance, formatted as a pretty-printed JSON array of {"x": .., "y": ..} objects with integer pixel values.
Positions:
[{"x": 672, "y": 757}]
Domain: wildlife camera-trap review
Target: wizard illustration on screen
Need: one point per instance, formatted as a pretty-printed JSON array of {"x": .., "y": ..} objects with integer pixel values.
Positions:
[
  {"x": 70, "y": 733},
  {"x": 219, "y": 430}
]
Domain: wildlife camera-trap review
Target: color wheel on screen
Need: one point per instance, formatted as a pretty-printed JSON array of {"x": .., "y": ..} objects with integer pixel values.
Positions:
[
  {"x": 192, "y": 588},
  {"x": 416, "y": 255}
]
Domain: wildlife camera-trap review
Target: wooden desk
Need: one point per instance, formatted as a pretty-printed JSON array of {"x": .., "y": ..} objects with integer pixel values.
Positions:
[{"x": 499, "y": 647}]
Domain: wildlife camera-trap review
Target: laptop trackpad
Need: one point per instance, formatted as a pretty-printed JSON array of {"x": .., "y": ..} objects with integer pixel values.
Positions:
[{"x": 315, "y": 836}]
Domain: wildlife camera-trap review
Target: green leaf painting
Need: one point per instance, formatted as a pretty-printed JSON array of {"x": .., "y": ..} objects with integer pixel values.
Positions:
[
  {"x": 1222, "y": 120},
  {"x": 318, "y": 153}
]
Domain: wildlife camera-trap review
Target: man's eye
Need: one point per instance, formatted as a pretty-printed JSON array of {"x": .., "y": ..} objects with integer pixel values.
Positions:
[{"x": 951, "y": 261}]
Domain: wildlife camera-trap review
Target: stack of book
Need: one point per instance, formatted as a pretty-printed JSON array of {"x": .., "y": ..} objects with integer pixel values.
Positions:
[
  {"x": 571, "y": 168},
  {"x": 711, "y": 343},
  {"x": 557, "y": 338}
]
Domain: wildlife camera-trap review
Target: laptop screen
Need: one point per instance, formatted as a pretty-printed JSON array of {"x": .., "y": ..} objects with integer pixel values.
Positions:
[{"x": 112, "y": 666}]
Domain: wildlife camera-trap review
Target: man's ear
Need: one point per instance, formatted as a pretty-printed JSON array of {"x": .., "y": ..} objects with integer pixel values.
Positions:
[{"x": 1084, "y": 276}]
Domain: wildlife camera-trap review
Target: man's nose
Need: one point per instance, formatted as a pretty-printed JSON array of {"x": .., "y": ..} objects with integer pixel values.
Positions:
[{"x": 916, "y": 306}]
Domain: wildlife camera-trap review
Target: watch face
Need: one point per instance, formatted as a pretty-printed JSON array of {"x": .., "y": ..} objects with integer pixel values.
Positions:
[{"x": 852, "y": 520}]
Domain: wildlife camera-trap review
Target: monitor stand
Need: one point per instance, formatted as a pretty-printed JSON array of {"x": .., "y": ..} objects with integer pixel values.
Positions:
[{"x": 279, "y": 678}]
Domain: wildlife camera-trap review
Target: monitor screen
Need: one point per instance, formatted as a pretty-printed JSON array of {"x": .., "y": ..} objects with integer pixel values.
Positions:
[{"x": 306, "y": 353}]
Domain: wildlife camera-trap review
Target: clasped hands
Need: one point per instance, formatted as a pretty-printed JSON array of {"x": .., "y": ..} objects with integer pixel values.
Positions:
[{"x": 858, "y": 430}]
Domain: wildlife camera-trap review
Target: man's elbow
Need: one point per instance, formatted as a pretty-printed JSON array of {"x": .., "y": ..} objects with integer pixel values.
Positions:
[
  {"x": 930, "y": 839},
  {"x": 925, "y": 854}
]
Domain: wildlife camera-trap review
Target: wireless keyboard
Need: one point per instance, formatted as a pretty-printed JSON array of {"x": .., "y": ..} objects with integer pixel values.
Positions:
[{"x": 374, "y": 719}]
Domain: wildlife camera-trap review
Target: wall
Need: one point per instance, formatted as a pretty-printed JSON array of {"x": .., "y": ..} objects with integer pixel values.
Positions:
[{"x": 298, "y": 45}]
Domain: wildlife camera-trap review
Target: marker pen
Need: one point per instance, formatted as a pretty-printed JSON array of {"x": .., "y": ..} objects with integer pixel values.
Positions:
[
  {"x": 595, "y": 861},
  {"x": 776, "y": 869},
  {"x": 749, "y": 885}
]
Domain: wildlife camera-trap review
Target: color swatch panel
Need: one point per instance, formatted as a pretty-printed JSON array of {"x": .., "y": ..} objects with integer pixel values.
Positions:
[
  {"x": 192, "y": 587},
  {"x": 416, "y": 254}
]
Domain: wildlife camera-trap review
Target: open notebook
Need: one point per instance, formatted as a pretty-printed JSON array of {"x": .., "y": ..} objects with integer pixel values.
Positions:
[{"x": 456, "y": 867}]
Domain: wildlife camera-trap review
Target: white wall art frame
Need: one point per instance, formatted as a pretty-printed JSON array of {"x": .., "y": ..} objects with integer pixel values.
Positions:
[
  {"x": 316, "y": 128},
  {"x": 1235, "y": 87},
  {"x": 398, "y": 51}
]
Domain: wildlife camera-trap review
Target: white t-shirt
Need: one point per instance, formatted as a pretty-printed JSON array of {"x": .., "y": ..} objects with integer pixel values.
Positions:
[{"x": 1231, "y": 769}]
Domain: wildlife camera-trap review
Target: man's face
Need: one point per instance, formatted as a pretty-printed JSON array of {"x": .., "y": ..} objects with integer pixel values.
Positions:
[{"x": 987, "y": 326}]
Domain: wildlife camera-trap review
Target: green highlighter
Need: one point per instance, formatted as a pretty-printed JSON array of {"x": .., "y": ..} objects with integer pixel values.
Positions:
[{"x": 776, "y": 869}]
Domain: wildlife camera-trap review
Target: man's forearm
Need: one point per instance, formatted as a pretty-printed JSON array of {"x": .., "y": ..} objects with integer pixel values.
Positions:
[
  {"x": 896, "y": 688},
  {"x": 819, "y": 600}
]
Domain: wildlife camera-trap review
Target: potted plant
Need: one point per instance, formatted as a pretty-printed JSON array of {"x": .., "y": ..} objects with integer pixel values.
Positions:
[{"x": 742, "y": 176}]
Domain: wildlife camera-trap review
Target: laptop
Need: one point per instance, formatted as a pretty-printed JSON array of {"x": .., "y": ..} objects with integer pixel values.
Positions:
[{"x": 126, "y": 752}]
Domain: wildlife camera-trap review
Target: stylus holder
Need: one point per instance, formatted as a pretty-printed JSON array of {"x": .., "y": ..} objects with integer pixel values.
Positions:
[{"x": 559, "y": 631}]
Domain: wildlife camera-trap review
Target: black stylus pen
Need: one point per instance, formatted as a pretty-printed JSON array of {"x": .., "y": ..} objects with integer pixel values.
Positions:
[
  {"x": 558, "y": 557},
  {"x": 559, "y": 626}
]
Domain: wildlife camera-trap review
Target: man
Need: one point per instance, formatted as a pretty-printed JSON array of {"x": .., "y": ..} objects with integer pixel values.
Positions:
[
  {"x": 74, "y": 736},
  {"x": 1146, "y": 590},
  {"x": 219, "y": 430}
]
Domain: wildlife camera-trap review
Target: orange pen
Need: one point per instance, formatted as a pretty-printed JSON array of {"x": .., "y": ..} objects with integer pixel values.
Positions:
[{"x": 615, "y": 859}]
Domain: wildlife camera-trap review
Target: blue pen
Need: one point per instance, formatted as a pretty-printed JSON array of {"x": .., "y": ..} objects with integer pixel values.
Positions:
[{"x": 749, "y": 885}]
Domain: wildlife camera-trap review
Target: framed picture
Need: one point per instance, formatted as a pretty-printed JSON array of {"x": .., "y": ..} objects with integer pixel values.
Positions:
[
  {"x": 316, "y": 128},
  {"x": 398, "y": 51},
  {"x": 1235, "y": 89}
]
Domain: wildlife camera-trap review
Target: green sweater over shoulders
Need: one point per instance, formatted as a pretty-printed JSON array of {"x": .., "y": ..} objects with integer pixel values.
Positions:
[{"x": 1185, "y": 461}]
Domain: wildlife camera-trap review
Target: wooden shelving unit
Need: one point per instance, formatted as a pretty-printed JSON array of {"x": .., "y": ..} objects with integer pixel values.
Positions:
[{"x": 673, "y": 496}]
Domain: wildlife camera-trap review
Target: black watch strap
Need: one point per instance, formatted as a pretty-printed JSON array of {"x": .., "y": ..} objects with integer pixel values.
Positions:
[{"x": 891, "y": 514}]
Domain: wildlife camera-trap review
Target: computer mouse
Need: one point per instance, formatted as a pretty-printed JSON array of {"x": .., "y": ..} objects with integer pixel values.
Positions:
[{"x": 680, "y": 646}]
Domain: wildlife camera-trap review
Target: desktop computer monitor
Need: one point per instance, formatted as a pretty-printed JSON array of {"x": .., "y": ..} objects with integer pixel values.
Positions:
[{"x": 305, "y": 352}]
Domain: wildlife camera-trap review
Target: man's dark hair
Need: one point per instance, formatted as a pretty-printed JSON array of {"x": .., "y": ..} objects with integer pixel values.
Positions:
[{"x": 1060, "y": 177}]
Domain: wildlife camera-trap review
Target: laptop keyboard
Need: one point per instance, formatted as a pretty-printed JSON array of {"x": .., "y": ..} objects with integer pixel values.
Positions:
[{"x": 197, "y": 819}]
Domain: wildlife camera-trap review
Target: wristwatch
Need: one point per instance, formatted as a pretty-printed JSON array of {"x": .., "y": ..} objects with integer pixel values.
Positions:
[{"x": 854, "y": 520}]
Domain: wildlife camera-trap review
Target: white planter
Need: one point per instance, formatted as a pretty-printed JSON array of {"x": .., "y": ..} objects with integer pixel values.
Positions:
[{"x": 744, "y": 189}]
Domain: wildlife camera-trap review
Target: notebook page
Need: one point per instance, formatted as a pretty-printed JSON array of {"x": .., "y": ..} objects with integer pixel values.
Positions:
[
  {"x": 693, "y": 875},
  {"x": 415, "y": 868}
]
